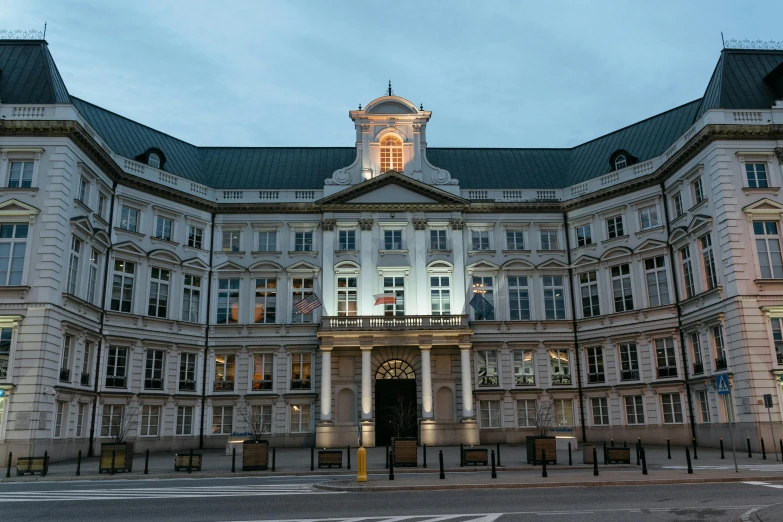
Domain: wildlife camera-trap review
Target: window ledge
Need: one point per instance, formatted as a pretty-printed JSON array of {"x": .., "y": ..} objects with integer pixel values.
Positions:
[
  {"x": 481, "y": 252},
  {"x": 258, "y": 253},
  {"x": 588, "y": 246},
  {"x": 311, "y": 253},
  {"x": 130, "y": 232},
  {"x": 703, "y": 203},
  {"x": 678, "y": 218},
  {"x": 515, "y": 252},
  {"x": 658, "y": 228},
  {"x": 231, "y": 253},
  {"x": 31, "y": 191},
  {"x": 618, "y": 239},
  {"x": 100, "y": 219},
  {"x": 80, "y": 301},
  {"x": 773, "y": 282},
  {"x": 339, "y": 253},
  {"x": 163, "y": 241},
  {"x": 439, "y": 252},
  {"x": 8, "y": 291},
  {"x": 717, "y": 290},
  {"x": 384, "y": 252},
  {"x": 757, "y": 190},
  {"x": 195, "y": 250},
  {"x": 551, "y": 252},
  {"x": 82, "y": 205}
]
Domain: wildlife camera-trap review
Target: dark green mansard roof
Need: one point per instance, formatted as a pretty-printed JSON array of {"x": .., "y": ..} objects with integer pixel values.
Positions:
[{"x": 743, "y": 79}]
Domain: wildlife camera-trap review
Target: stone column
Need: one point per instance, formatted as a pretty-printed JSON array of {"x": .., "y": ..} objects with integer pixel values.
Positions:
[
  {"x": 426, "y": 383},
  {"x": 326, "y": 385},
  {"x": 366, "y": 383},
  {"x": 467, "y": 382}
]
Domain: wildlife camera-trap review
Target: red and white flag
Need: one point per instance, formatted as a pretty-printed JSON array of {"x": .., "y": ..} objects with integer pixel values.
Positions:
[{"x": 384, "y": 299}]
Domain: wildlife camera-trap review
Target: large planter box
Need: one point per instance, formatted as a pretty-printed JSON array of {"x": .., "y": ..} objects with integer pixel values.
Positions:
[
  {"x": 255, "y": 455},
  {"x": 535, "y": 445},
  {"x": 618, "y": 455},
  {"x": 405, "y": 451},
  {"x": 182, "y": 461},
  {"x": 475, "y": 456},
  {"x": 587, "y": 452},
  {"x": 329, "y": 458},
  {"x": 123, "y": 457}
]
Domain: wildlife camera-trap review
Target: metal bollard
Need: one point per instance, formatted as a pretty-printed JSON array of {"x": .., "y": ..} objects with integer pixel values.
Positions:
[
  {"x": 750, "y": 455},
  {"x": 113, "y": 460},
  {"x": 638, "y": 454},
  {"x": 440, "y": 458},
  {"x": 595, "y": 462},
  {"x": 190, "y": 461},
  {"x": 722, "y": 456},
  {"x": 644, "y": 463},
  {"x": 361, "y": 464},
  {"x": 763, "y": 450},
  {"x": 274, "y": 458},
  {"x": 604, "y": 452},
  {"x": 781, "y": 448},
  {"x": 387, "y": 457},
  {"x": 494, "y": 472},
  {"x": 312, "y": 457},
  {"x": 570, "y": 462},
  {"x": 424, "y": 454},
  {"x": 147, "y": 462},
  {"x": 10, "y": 457},
  {"x": 391, "y": 467},
  {"x": 461, "y": 455},
  {"x": 543, "y": 463},
  {"x": 695, "y": 454},
  {"x": 688, "y": 459},
  {"x": 498, "y": 448},
  {"x": 233, "y": 460},
  {"x": 79, "y": 464},
  {"x": 625, "y": 444},
  {"x": 348, "y": 453},
  {"x": 46, "y": 464},
  {"x": 612, "y": 442},
  {"x": 668, "y": 449}
]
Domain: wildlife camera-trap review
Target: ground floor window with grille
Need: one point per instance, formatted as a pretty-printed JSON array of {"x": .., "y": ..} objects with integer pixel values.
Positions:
[
  {"x": 300, "y": 418},
  {"x": 672, "y": 408},
  {"x": 526, "y": 413},
  {"x": 184, "y": 420},
  {"x": 564, "y": 412},
  {"x": 489, "y": 413},
  {"x": 80, "y": 419},
  {"x": 600, "y": 408},
  {"x": 222, "y": 420},
  {"x": 150, "y": 420},
  {"x": 634, "y": 409},
  {"x": 62, "y": 408},
  {"x": 704, "y": 406},
  {"x": 112, "y": 420}
]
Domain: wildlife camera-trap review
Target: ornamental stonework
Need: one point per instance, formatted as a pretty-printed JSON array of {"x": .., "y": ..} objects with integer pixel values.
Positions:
[
  {"x": 328, "y": 223},
  {"x": 419, "y": 223},
  {"x": 366, "y": 223},
  {"x": 457, "y": 223}
]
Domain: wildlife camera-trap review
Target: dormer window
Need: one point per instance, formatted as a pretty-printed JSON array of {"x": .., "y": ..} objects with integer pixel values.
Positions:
[
  {"x": 621, "y": 159},
  {"x": 391, "y": 154},
  {"x": 154, "y": 157},
  {"x": 620, "y": 162},
  {"x": 153, "y": 160}
]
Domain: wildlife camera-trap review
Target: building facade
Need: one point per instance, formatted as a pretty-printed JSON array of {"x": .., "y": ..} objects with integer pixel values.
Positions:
[{"x": 183, "y": 287}]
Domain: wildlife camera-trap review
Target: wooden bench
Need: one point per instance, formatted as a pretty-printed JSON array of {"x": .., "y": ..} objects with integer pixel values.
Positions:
[
  {"x": 405, "y": 451},
  {"x": 32, "y": 465},
  {"x": 618, "y": 455},
  {"x": 475, "y": 456},
  {"x": 329, "y": 458},
  {"x": 181, "y": 462}
]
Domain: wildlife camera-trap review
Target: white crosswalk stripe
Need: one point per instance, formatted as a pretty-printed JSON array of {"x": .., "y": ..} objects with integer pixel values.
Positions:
[
  {"x": 174, "y": 492},
  {"x": 490, "y": 517},
  {"x": 765, "y": 484},
  {"x": 772, "y": 468}
]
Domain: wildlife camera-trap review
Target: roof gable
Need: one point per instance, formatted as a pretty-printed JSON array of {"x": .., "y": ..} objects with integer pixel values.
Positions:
[{"x": 392, "y": 188}]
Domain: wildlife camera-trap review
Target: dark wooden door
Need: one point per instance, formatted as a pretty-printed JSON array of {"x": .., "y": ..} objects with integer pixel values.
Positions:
[{"x": 394, "y": 398}]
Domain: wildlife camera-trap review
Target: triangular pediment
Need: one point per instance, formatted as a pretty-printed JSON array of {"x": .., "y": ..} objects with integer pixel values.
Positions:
[
  {"x": 83, "y": 223},
  {"x": 392, "y": 188},
  {"x": 129, "y": 247},
  {"x": 698, "y": 222},
  {"x": 616, "y": 253},
  {"x": 195, "y": 263},
  {"x": 551, "y": 263},
  {"x": 229, "y": 266},
  {"x": 764, "y": 205},
  {"x": 302, "y": 266},
  {"x": 15, "y": 207},
  {"x": 164, "y": 256},
  {"x": 585, "y": 261},
  {"x": 482, "y": 265},
  {"x": 650, "y": 244}
]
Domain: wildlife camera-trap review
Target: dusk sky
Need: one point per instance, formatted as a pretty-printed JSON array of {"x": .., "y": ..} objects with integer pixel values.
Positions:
[{"x": 495, "y": 74}]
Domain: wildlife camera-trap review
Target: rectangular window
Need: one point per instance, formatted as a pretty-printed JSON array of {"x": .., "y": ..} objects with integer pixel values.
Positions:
[
  {"x": 595, "y": 365},
  {"x": 614, "y": 227},
  {"x": 438, "y": 239},
  {"x": 757, "y": 175},
  {"x": 228, "y": 301},
  {"x": 187, "y": 372},
  {"x": 303, "y": 241},
  {"x": 600, "y": 406},
  {"x": 346, "y": 296},
  {"x": 5, "y": 351},
  {"x": 768, "y": 249},
  {"x": 81, "y": 417},
  {"x": 549, "y": 240},
  {"x": 191, "y": 298},
  {"x": 122, "y": 286},
  {"x": 153, "y": 370},
  {"x": 677, "y": 202},
  {"x": 264, "y": 415},
  {"x": 440, "y": 295},
  {"x": 184, "y": 420},
  {"x": 526, "y": 413},
  {"x": 672, "y": 408},
  {"x": 648, "y": 217},
  {"x": 300, "y": 418},
  {"x": 84, "y": 191},
  {"x": 554, "y": 297},
  {"x": 92, "y": 276},
  {"x": 698, "y": 191},
  {"x": 634, "y": 409},
  {"x": 150, "y": 420},
  {"x": 102, "y": 205},
  {"x": 262, "y": 371},
  {"x": 484, "y": 286},
  {"x": 396, "y": 286},
  {"x": 564, "y": 412},
  {"x": 231, "y": 240},
  {"x": 195, "y": 237},
  {"x": 479, "y": 239},
  {"x": 657, "y": 284},
  {"x": 159, "y": 292},
  {"x": 116, "y": 367},
  {"x": 163, "y": 228},
  {"x": 487, "y": 366},
  {"x": 346, "y": 240},
  {"x": 267, "y": 241},
  {"x": 584, "y": 235},
  {"x": 13, "y": 244},
  {"x": 84, "y": 378},
  {"x": 73, "y": 268},
  {"x": 524, "y": 374},
  {"x": 301, "y": 366},
  {"x": 558, "y": 363},
  {"x": 629, "y": 362},
  {"x": 266, "y": 300},
  {"x": 709, "y": 262},
  {"x": 621, "y": 288},
  {"x": 777, "y": 337},
  {"x": 129, "y": 218},
  {"x": 21, "y": 175},
  {"x": 302, "y": 289},
  {"x": 224, "y": 372},
  {"x": 111, "y": 423},
  {"x": 704, "y": 406},
  {"x": 519, "y": 298},
  {"x": 721, "y": 362},
  {"x": 515, "y": 239},
  {"x": 698, "y": 364},
  {"x": 665, "y": 358},
  {"x": 687, "y": 271},
  {"x": 222, "y": 420},
  {"x": 489, "y": 414},
  {"x": 588, "y": 286},
  {"x": 62, "y": 408}
]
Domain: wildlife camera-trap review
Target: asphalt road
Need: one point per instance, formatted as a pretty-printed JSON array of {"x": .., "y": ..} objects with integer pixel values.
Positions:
[{"x": 287, "y": 498}]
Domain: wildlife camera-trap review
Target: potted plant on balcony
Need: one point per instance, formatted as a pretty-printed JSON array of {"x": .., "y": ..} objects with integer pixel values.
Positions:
[
  {"x": 255, "y": 450},
  {"x": 542, "y": 441},
  {"x": 117, "y": 455}
]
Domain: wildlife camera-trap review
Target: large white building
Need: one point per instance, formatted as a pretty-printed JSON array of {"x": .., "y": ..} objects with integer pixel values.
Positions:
[{"x": 142, "y": 273}]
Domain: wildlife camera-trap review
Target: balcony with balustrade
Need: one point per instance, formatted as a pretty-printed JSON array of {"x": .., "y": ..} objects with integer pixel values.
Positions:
[{"x": 394, "y": 322}]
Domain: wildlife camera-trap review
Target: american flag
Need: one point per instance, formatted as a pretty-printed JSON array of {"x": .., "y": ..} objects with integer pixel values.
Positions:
[{"x": 308, "y": 304}]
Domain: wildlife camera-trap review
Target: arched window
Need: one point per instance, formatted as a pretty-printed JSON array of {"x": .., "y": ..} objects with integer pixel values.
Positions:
[
  {"x": 391, "y": 154},
  {"x": 395, "y": 369},
  {"x": 620, "y": 162},
  {"x": 153, "y": 160}
]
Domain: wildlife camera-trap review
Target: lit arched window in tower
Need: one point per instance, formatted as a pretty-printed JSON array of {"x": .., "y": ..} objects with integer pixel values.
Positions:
[{"x": 391, "y": 154}]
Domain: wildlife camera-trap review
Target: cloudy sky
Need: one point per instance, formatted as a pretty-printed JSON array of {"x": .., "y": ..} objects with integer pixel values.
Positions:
[{"x": 494, "y": 73}]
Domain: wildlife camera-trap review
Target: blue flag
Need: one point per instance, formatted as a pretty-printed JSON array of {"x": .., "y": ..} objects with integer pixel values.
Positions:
[{"x": 481, "y": 306}]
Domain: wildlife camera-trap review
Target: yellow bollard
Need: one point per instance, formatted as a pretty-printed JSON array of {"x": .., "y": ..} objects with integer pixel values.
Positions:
[{"x": 361, "y": 465}]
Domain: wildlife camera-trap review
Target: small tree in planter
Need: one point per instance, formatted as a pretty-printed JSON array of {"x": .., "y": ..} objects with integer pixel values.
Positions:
[
  {"x": 541, "y": 441},
  {"x": 117, "y": 455},
  {"x": 255, "y": 451},
  {"x": 403, "y": 418}
]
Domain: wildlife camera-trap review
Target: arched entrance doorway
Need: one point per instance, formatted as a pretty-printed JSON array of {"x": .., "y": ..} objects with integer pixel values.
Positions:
[{"x": 395, "y": 401}]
